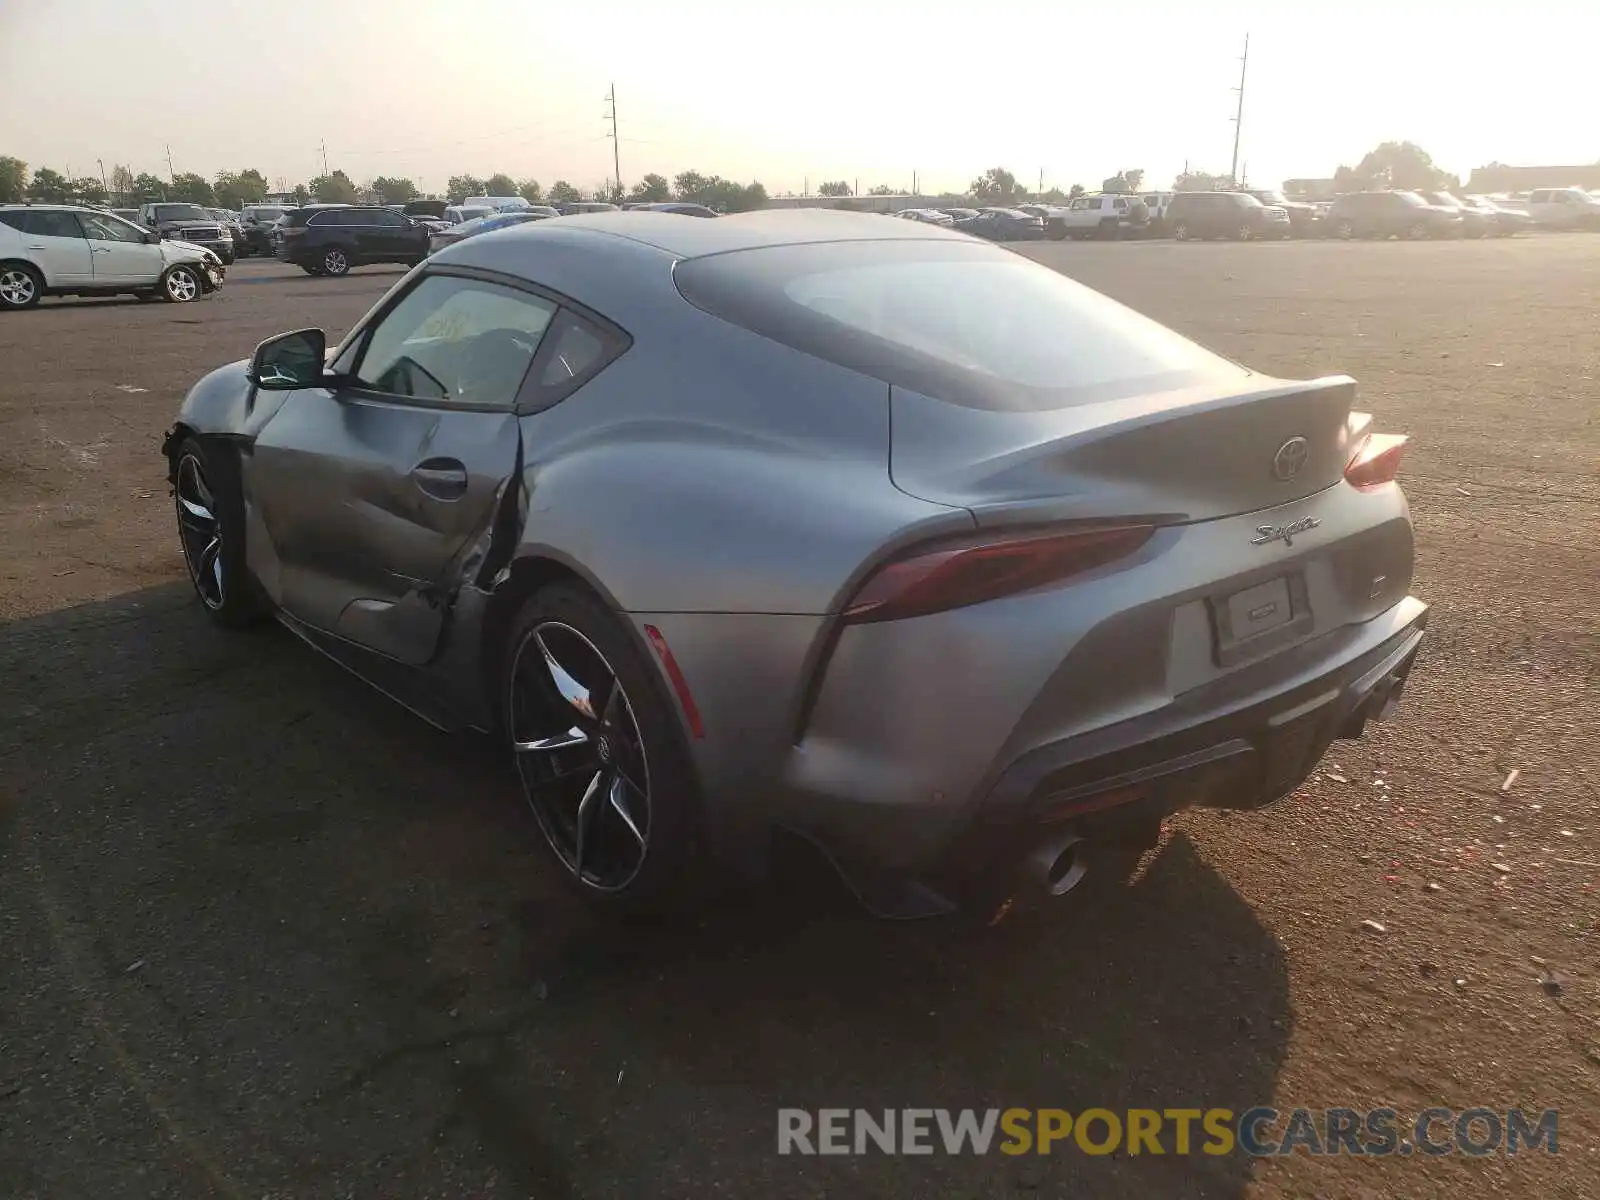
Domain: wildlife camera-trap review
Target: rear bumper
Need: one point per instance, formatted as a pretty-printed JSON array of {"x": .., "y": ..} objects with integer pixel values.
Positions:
[{"x": 1228, "y": 744}]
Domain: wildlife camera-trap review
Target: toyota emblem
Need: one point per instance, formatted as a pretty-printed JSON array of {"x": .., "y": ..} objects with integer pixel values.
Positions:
[{"x": 1290, "y": 459}]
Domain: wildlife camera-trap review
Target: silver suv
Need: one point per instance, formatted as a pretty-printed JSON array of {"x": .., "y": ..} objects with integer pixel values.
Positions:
[{"x": 64, "y": 250}]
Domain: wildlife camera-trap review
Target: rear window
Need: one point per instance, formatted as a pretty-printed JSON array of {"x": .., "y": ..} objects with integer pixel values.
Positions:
[{"x": 972, "y": 325}]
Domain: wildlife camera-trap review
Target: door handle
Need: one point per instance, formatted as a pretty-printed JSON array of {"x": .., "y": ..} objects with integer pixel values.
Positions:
[
  {"x": 99, "y": 249},
  {"x": 441, "y": 478}
]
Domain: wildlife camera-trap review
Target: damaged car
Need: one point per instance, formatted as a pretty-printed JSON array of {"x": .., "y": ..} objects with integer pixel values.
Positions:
[{"x": 813, "y": 524}]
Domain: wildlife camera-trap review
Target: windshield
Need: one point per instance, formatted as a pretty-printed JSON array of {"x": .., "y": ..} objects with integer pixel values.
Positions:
[
  {"x": 181, "y": 212},
  {"x": 1412, "y": 199},
  {"x": 1270, "y": 197},
  {"x": 969, "y": 325}
]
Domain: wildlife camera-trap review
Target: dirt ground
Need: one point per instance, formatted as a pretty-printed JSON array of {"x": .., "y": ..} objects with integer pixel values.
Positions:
[{"x": 263, "y": 935}]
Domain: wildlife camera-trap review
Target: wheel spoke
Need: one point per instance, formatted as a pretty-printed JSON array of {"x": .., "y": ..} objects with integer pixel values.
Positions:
[
  {"x": 586, "y": 808},
  {"x": 617, "y": 794},
  {"x": 573, "y": 692},
  {"x": 561, "y": 741},
  {"x": 198, "y": 511}
]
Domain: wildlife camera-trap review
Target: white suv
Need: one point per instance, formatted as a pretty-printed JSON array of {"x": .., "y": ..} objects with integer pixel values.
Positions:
[
  {"x": 62, "y": 250},
  {"x": 1564, "y": 208},
  {"x": 1106, "y": 214}
]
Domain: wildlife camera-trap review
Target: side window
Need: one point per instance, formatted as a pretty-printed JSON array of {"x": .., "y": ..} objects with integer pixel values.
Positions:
[
  {"x": 109, "y": 229},
  {"x": 1539, "y": 198},
  {"x": 1121, "y": 205},
  {"x": 456, "y": 341},
  {"x": 44, "y": 223},
  {"x": 11, "y": 217},
  {"x": 1560, "y": 198},
  {"x": 387, "y": 219},
  {"x": 575, "y": 351}
]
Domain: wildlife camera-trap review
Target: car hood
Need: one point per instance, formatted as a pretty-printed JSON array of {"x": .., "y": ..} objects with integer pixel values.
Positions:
[{"x": 176, "y": 250}]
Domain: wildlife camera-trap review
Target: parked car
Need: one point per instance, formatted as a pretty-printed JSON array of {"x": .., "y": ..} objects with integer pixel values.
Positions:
[
  {"x": 959, "y": 214},
  {"x": 1564, "y": 208},
  {"x": 586, "y": 206},
  {"x": 449, "y": 235},
  {"x": 1053, "y": 216},
  {"x": 457, "y": 213},
  {"x": 66, "y": 250},
  {"x": 578, "y": 504},
  {"x": 1237, "y": 215},
  {"x": 1474, "y": 222},
  {"x": 433, "y": 209},
  {"x": 496, "y": 203},
  {"x": 1105, "y": 214},
  {"x": 1156, "y": 203},
  {"x": 1002, "y": 225},
  {"x": 928, "y": 216},
  {"x": 189, "y": 223},
  {"x": 681, "y": 207},
  {"x": 1302, "y": 216},
  {"x": 255, "y": 223},
  {"x": 1391, "y": 214},
  {"x": 1503, "y": 221},
  {"x": 127, "y": 214},
  {"x": 331, "y": 239}
]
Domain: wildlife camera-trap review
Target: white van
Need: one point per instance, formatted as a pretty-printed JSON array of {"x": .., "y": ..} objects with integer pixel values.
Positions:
[{"x": 498, "y": 203}]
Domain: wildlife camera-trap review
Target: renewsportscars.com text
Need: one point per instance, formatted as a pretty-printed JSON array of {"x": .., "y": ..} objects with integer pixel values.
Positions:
[{"x": 1216, "y": 1131}]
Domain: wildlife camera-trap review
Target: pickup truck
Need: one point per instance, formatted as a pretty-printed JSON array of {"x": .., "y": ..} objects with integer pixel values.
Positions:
[{"x": 189, "y": 223}]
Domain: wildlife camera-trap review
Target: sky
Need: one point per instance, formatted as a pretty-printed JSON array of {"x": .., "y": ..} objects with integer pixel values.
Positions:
[{"x": 792, "y": 94}]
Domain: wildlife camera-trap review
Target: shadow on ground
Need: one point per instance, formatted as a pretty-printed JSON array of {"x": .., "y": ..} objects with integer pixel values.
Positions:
[{"x": 266, "y": 935}]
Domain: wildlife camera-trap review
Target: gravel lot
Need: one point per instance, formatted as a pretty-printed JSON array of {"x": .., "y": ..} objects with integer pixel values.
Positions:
[{"x": 263, "y": 935}]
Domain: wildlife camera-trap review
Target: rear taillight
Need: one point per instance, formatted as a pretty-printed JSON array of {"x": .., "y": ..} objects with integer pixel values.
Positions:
[
  {"x": 1377, "y": 461},
  {"x": 956, "y": 574}
]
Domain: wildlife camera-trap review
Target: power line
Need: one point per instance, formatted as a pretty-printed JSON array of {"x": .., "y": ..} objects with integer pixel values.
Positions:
[{"x": 1238, "y": 116}]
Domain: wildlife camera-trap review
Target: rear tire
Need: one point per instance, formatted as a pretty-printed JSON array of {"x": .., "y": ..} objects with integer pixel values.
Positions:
[
  {"x": 21, "y": 286},
  {"x": 335, "y": 261},
  {"x": 1417, "y": 231},
  {"x": 1244, "y": 233},
  {"x": 1180, "y": 232},
  {"x": 1345, "y": 230},
  {"x": 624, "y": 776}
]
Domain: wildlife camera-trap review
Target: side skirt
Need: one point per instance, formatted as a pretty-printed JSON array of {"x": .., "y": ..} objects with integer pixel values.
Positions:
[{"x": 418, "y": 691}]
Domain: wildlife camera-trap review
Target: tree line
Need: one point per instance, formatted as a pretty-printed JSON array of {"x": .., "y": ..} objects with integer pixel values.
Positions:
[
  {"x": 234, "y": 189},
  {"x": 1391, "y": 164}
]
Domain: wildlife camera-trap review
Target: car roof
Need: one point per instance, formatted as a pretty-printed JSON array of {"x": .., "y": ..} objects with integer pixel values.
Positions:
[{"x": 692, "y": 237}]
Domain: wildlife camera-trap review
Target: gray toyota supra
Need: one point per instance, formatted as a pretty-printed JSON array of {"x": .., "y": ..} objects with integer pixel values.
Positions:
[{"x": 816, "y": 524}]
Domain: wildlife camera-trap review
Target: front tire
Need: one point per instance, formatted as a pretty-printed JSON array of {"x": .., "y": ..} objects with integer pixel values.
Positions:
[
  {"x": 1418, "y": 231},
  {"x": 1180, "y": 232},
  {"x": 20, "y": 287},
  {"x": 210, "y": 512},
  {"x": 599, "y": 753},
  {"x": 181, "y": 285},
  {"x": 1244, "y": 233},
  {"x": 1345, "y": 230}
]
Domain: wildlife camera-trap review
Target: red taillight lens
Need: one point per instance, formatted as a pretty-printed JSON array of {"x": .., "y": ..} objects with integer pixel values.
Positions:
[
  {"x": 1377, "y": 462},
  {"x": 954, "y": 575}
]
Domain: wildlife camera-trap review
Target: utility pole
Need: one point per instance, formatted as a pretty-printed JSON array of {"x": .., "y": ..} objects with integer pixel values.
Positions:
[
  {"x": 171, "y": 174},
  {"x": 324, "y": 148},
  {"x": 616, "y": 142},
  {"x": 914, "y": 190},
  {"x": 101, "y": 164},
  {"x": 1041, "y": 183},
  {"x": 1238, "y": 116}
]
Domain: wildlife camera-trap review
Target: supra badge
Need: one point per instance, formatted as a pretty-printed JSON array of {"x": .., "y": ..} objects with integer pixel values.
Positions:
[{"x": 1266, "y": 534}]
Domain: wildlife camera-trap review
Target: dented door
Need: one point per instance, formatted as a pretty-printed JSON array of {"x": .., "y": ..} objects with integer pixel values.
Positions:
[{"x": 368, "y": 506}]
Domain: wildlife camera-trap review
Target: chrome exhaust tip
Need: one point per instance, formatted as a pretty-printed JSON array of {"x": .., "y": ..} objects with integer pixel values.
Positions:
[{"x": 1058, "y": 864}]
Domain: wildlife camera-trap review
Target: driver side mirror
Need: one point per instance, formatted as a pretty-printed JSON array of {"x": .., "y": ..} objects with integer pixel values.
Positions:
[{"x": 290, "y": 361}]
